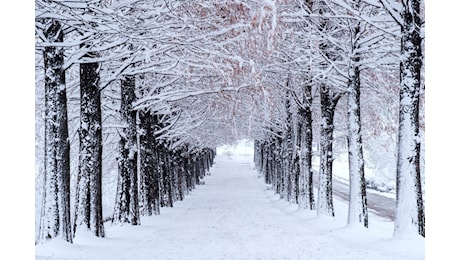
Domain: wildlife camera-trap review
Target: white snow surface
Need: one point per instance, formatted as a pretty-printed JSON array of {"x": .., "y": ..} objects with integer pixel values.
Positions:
[{"x": 234, "y": 215}]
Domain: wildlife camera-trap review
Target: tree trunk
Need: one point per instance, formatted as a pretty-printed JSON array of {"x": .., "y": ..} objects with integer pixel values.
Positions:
[
  {"x": 127, "y": 198},
  {"x": 88, "y": 202},
  {"x": 266, "y": 155},
  {"x": 295, "y": 163},
  {"x": 55, "y": 213},
  {"x": 166, "y": 178},
  {"x": 279, "y": 166},
  {"x": 272, "y": 163},
  {"x": 287, "y": 151},
  {"x": 181, "y": 181},
  {"x": 173, "y": 164},
  {"x": 357, "y": 208},
  {"x": 325, "y": 199},
  {"x": 410, "y": 211},
  {"x": 149, "y": 172},
  {"x": 306, "y": 148},
  {"x": 189, "y": 172}
]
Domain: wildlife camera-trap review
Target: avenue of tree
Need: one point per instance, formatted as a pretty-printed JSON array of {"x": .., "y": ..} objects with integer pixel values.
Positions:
[{"x": 148, "y": 89}]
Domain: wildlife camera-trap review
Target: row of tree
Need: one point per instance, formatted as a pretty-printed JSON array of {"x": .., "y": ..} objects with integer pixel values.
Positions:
[
  {"x": 166, "y": 81},
  {"x": 327, "y": 51},
  {"x": 134, "y": 47}
]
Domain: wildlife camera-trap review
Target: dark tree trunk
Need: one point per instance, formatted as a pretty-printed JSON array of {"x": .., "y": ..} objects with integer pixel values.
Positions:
[
  {"x": 306, "y": 148},
  {"x": 201, "y": 166},
  {"x": 265, "y": 158},
  {"x": 195, "y": 170},
  {"x": 149, "y": 171},
  {"x": 190, "y": 173},
  {"x": 278, "y": 166},
  {"x": 272, "y": 163},
  {"x": 181, "y": 181},
  {"x": 410, "y": 211},
  {"x": 166, "y": 178},
  {"x": 287, "y": 151},
  {"x": 55, "y": 213},
  {"x": 173, "y": 163},
  {"x": 296, "y": 127},
  {"x": 127, "y": 198},
  {"x": 329, "y": 97},
  {"x": 328, "y": 102},
  {"x": 88, "y": 201}
]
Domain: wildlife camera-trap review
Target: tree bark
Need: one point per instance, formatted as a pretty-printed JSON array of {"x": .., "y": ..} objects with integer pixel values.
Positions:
[
  {"x": 166, "y": 190},
  {"x": 306, "y": 148},
  {"x": 295, "y": 163},
  {"x": 266, "y": 160},
  {"x": 181, "y": 181},
  {"x": 410, "y": 211},
  {"x": 127, "y": 198},
  {"x": 328, "y": 103},
  {"x": 287, "y": 151},
  {"x": 357, "y": 208},
  {"x": 149, "y": 171},
  {"x": 279, "y": 165},
  {"x": 88, "y": 202},
  {"x": 55, "y": 213}
]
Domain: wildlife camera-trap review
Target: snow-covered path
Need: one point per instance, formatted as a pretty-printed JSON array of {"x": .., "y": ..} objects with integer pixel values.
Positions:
[{"x": 234, "y": 216}]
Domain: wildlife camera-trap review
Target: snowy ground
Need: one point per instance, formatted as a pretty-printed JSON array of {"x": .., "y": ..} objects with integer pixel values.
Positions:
[{"x": 235, "y": 216}]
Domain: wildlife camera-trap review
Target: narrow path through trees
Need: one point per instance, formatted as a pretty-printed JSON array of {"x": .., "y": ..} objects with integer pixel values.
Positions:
[{"x": 233, "y": 216}]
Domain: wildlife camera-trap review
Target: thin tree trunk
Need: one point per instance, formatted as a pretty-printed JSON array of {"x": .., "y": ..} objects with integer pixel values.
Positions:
[
  {"x": 266, "y": 154},
  {"x": 166, "y": 178},
  {"x": 287, "y": 150},
  {"x": 295, "y": 164},
  {"x": 279, "y": 166},
  {"x": 55, "y": 213},
  {"x": 357, "y": 208},
  {"x": 181, "y": 176},
  {"x": 174, "y": 175}
]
